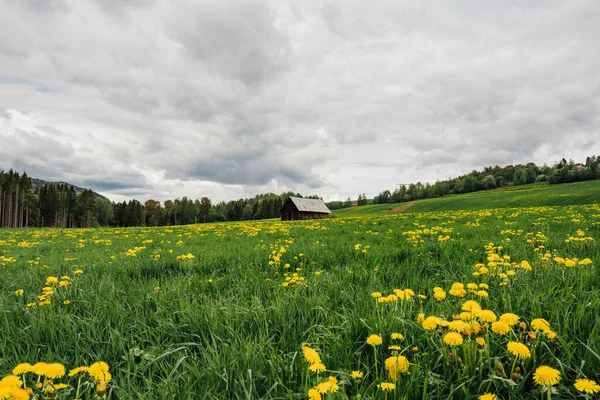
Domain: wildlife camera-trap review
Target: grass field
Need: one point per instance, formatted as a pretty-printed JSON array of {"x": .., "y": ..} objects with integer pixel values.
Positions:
[
  {"x": 540, "y": 194},
  {"x": 285, "y": 310}
]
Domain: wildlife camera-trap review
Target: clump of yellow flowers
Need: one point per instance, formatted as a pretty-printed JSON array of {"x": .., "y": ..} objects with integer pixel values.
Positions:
[{"x": 40, "y": 380}]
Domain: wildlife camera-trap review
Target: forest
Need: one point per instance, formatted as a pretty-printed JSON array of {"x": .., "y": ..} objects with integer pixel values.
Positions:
[
  {"x": 61, "y": 205},
  {"x": 489, "y": 178}
]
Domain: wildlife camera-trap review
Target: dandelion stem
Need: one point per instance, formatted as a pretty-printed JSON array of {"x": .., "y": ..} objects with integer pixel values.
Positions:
[
  {"x": 78, "y": 387},
  {"x": 512, "y": 369},
  {"x": 375, "y": 359}
]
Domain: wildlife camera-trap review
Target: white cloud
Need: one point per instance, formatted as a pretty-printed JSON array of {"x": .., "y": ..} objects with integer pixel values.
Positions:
[{"x": 227, "y": 99}]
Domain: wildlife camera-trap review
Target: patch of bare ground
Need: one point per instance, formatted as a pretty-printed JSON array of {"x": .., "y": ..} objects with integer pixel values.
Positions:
[{"x": 401, "y": 208}]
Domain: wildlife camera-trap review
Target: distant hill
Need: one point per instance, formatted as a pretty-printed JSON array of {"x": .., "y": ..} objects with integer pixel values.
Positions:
[
  {"x": 534, "y": 195},
  {"x": 39, "y": 182}
]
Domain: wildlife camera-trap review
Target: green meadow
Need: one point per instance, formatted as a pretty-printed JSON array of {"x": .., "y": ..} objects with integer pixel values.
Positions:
[{"x": 369, "y": 304}]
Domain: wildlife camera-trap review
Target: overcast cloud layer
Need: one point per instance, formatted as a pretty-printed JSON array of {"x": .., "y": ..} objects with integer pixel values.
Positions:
[{"x": 227, "y": 99}]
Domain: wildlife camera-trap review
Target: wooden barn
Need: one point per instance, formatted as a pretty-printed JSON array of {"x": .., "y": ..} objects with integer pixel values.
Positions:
[{"x": 298, "y": 208}]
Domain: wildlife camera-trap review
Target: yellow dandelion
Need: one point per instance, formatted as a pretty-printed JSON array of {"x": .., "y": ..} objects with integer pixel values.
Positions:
[
  {"x": 488, "y": 396},
  {"x": 329, "y": 386},
  {"x": 501, "y": 328},
  {"x": 19, "y": 292},
  {"x": 453, "y": 339},
  {"x": 546, "y": 376},
  {"x": 310, "y": 355},
  {"x": 54, "y": 370},
  {"x": 51, "y": 280},
  {"x": 509, "y": 318},
  {"x": 458, "y": 326},
  {"x": 540, "y": 324},
  {"x": 99, "y": 371},
  {"x": 101, "y": 387},
  {"x": 519, "y": 350},
  {"x": 374, "y": 340},
  {"x": 471, "y": 306},
  {"x": 313, "y": 394},
  {"x": 396, "y": 365},
  {"x": 480, "y": 341},
  {"x": 356, "y": 375},
  {"x": 587, "y": 386},
  {"x": 386, "y": 386},
  {"x": 317, "y": 368},
  {"x": 397, "y": 336},
  {"x": 22, "y": 368},
  {"x": 430, "y": 323},
  {"x": 10, "y": 381},
  {"x": 78, "y": 370}
]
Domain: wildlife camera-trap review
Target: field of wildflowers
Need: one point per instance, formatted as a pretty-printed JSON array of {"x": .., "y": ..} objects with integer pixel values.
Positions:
[{"x": 488, "y": 304}]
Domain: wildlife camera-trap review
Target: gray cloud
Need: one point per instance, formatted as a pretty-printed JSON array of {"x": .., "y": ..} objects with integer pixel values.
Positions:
[{"x": 222, "y": 98}]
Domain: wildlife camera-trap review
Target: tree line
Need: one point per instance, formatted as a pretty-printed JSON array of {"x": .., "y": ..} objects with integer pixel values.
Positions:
[
  {"x": 56, "y": 205},
  {"x": 60, "y": 205},
  {"x": 495, "y": 177}
]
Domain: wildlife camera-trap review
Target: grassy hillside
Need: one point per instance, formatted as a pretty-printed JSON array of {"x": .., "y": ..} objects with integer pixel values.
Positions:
[
  {"x": 519, "y": 196},
  {"x": 365, "y": 210}
]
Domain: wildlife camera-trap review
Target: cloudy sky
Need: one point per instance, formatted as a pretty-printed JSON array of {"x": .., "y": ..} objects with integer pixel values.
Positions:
[{"x": 226, "y": 99}]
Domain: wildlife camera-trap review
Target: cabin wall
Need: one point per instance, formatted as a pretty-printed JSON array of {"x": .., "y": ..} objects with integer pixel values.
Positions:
[{"x": 289, "y": 212}]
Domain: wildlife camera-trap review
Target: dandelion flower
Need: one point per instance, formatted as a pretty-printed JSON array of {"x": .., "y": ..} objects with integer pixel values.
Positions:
[
  {"x": 356, "y": 374},
  {"x": 453, "y": 339},
  {"x": 101, "y": 387},
  {"x": 310, "y": 355},
  {"x": 519, "y": 350},
  {"x": 480, "y": 341},
  {"x": 488, "y": 396},
  {"x": 374, "y": 340},
  {"x": 540, "y": 324},
  {"x": 386, "y": 386},
  {"x": 19, "y": 292},
  {"x": 546, "y": 376},
  {"x": 487, "y": 315},
  {"x": 458, "y": 326},
  {"x": 587, "y": 386},
  {"x": 54, "y": 370},
  {"x": 430, "y": 323},
  {"x": 329, "y": 386},
  {"x": 51, "y": 280},
  {"x": 78, "y": 370},
  {"x": 313, "y": 394},
  {"x": 22, "y": 368},
  {"x": 509, "y": 318},
  {"x": 99, "y": 371},
  {"x": 396, "y": 365},
  {"x": 397, "y": 336},
  {"x": 471, "y": 306},
  {"x": 10, "y": 381},
  {"x": 501, "y": 328},
  {"x": 317, "y": 368}
]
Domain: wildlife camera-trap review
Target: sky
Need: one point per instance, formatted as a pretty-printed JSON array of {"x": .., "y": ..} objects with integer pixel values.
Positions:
[{"x": 227, "y": 99}]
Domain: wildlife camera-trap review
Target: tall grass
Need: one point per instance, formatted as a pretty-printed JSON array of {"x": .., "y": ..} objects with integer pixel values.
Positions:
[{"x": 221, "y": 325}]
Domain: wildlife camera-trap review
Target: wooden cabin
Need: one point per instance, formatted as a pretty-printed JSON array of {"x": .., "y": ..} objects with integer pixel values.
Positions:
[{"x": 299, "y": 208}]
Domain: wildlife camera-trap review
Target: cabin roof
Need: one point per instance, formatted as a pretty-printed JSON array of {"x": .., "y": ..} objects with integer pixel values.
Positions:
[{"x": 310, "y": 205}]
